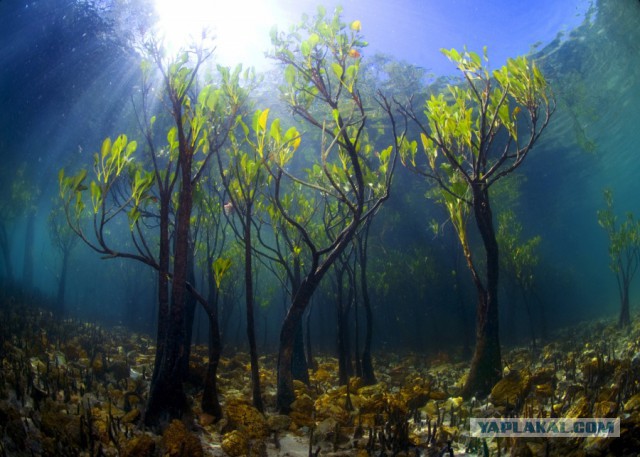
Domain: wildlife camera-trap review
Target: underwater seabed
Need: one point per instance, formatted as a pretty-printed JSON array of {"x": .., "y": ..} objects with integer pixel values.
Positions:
[{"x": 76, "y": 389}]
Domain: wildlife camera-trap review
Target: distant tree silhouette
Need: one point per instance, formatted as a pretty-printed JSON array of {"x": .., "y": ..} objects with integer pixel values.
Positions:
[
  {"x": 65, "y": 240},
  {"x": 624, "y": 252}
]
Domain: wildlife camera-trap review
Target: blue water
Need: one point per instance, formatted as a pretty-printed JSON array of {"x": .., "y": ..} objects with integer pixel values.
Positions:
[{"x": 63, "y": 90}]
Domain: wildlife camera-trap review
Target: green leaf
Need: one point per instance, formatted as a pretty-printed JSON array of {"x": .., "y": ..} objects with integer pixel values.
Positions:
[
  {"x": 337, "y": 70},
  {"x": 475, "y": 58},
  {"x": 262, "y": 120},
  {"x": 171, "y": 137},
  {"x": 131, "y": 147},
  {"x": 106, "y": 147},
  {"x": 336, "y": 116},
  {"x": 134, "y": 215},
  {"x": 313, "y": 39},
  {"x": 292, "y": 138},
  {"x": 274, "y": 131},
  {"x": 78, "y": 179},
  {"x": 305, "y": 48},
  {"x": 220, "y": 267},
  {"x": 290, "y": 74},
  {"x": 96, "y": 196}
]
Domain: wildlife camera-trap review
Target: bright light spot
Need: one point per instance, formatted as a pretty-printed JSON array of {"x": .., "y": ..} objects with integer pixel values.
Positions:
[{"x": 240, "y": 27}]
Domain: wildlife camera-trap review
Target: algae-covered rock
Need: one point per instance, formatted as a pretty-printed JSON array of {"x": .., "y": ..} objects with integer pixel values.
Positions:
[
  {"x": 543, "y": 376},
  {"x": 302, "y": 411},
  {"x": 511, "y": 389},
  {"x": 325, "y": 430},
  {"x": 235, "y": 443},
  {"x": 431, "y": 409},
  {"x": 438, "y": 395},
  {"x": 371, "y": 399},
  {"x": 543, "y": 390},
  {"x": 278, "y": 422},
  {"x": 139, "y": 446},
  {"x": 579, "y": 408},
  {"x": 177, "y": 441},
  {"x": 337, "y": 404},
  {"x": 447, "y": 433},
  {"x": 63, "y": 428},
  {"x": 245, "y": 417},
  {"x": 131, "y": 417},
  {"x": 373, "y": 389},
  {"x": 632, "y": 404},
  {"x": 303, "y": 404},
  {"x": 322, "y": 375},
  {"x": 605, "y": 409},
  {"x": 416, "y": 396}
]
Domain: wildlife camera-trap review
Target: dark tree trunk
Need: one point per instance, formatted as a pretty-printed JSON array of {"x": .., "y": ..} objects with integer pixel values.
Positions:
[
  {"x": 464, "y": 321},
  {"x": 210, "y": 402},
  {"x": 509, "y": 332},
  {"x": 27, "y": 267},
  {"x": 356, "y": 340},
  {"x": 299, "y": 367},
  {"x": 299, "y": 363},
  {"x": 486, "y": 364},
  {"x": 368, "y": 375},
  {"x": 251, "y": 331},
  {"x": 167, "y": 399},
  {"x": 285, "y": 395},
  {"x": 163, "y": 284},
  {"x": 6, "y": 253},
  {"x": 190, "y": 310},
  {"x": 527, "y": 307},
  {"x": 345, "y": 368},
  {"x": 311, "y": 363},
  {"x": 62, "y": 282},
  {"x": 625, "y": 318}
]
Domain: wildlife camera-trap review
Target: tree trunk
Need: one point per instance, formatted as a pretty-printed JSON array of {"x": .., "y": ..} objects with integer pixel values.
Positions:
[
  {"x": 299, "y": 367},
  {"x": 486, "y": 364},
  {"x": 368, "y": 374},
  {"x": 6, "y": 253},
  {"x": 310, "y": 360},
  {"x": 464, "y": 322},
  {"x": 167, "y": 399},
  {"x": 625, "y": 318},
  {"x": 251, "y": 332},
  {"x": 210, "y": 402},
  {"x": 285, "y": 395},
  {"x": 27, "y": 266},
  {"x": 190, "y": 310},
  {"x": 62, "y": 283},
  {"x": 527, "y": 307},
  {"x": 510, "y": 332},
  {"x": 299, "y": 362},
  {"x": 356, "y": 340},
  {"x": 163, "y": 284},
  {"x": 345, "y": 368}
]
